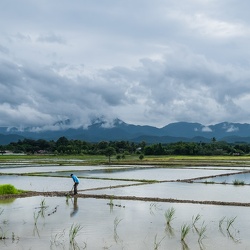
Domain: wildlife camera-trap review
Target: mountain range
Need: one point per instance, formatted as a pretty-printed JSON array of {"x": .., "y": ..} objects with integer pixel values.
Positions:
[{"x": 117, "y": 130}]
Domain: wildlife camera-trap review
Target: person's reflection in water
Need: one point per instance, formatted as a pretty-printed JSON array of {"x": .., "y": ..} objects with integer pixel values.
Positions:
[{"x": 75, "y": 208}]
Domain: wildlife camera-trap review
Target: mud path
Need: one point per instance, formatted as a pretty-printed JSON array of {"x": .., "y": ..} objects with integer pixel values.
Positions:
[{"x": 133, "y": 198}]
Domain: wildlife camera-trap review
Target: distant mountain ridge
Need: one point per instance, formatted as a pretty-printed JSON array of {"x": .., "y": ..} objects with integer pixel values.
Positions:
[{"x": 116, "y": 130}]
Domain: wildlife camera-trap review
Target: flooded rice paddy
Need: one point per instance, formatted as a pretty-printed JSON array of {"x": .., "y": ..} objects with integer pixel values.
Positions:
[{"x": 125, "y": 207}]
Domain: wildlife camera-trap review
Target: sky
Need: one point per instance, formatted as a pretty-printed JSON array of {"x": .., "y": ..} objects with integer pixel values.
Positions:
[{"x": 142, "y": 61}]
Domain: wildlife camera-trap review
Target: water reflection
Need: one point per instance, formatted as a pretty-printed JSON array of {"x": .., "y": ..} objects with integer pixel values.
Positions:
[
  {"x": 7, "y": 201},
  {"x": 75, "y": 208}
]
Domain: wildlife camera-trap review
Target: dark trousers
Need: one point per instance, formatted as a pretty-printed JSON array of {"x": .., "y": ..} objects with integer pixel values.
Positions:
[{"x": 75, "y": 188}]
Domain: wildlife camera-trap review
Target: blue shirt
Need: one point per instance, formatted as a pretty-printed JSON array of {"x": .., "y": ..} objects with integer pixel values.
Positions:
[{"x": 75, "y": 179}]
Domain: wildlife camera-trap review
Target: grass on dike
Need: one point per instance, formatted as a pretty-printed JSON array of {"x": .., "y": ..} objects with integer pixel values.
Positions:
[{"x": 168, "y": 160}]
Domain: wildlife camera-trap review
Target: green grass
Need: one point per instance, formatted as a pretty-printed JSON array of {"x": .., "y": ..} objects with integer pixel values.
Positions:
[
  {"x": 209, "y": 182},
  {"x": 238, "y": 182},
  {"x": 165, "y": 161},
  {"x": 9, "y": 189}
]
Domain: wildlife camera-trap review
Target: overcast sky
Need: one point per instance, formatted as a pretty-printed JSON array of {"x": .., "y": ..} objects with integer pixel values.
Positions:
[{"x": 146, "y": 62}]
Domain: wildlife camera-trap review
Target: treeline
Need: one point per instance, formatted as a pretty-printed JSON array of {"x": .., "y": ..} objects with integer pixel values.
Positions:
[{"x": 65, "y": 146}]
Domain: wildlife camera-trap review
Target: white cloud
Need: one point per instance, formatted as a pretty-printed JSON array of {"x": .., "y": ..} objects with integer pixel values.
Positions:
[
  {"x": 51, "y": 38},
  {"x": 232, "y": 129},
  {"x": 214, "y": 28},
  {"x": 206, "y": 129}
]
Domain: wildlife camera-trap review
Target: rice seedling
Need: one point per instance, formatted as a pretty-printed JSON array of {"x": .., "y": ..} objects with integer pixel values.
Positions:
[
  {"x": 169, "y": 215},
  {"x": 195, "y": 219},
  {"x": 209, "y": 182},
  {"x": 42, "y": 204},
  {"x": 238, "y": 183},
  {"x": 5, "y": 222},
  {"x": 230, "y": 222},
  {"x": 184, "y": 231},
  {"x": 43, "y": 207},
  {"x": 111, "y": 201},
  {"x": 67, "y": 199},
  {"x": 73, "y": 232}
]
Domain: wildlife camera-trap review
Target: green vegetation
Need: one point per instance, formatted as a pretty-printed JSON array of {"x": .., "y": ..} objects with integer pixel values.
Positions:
[
  {"x": 209, "y": 182},
  {"x": 169, "y": 215},
  {"x": 238, "y": 182},
  {"x": 184, "y": 231},
  {"x": 73, "y": 232},
  {"x": 170, "y": 161},
  {"x": 63, "y": 146},
  {"x": 9, "y": 189}
]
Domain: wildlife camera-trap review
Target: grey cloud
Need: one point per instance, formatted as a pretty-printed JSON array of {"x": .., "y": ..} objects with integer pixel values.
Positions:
[
  {"x": 51, "y": 38},
  {"x": 146, "y": 62},
  {"x": 4, "y": 50}
]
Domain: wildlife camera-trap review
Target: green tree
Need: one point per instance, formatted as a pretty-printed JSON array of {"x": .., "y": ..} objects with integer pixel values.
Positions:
[
  {"x": 109, "y": 151},
  {"x": 141, "y": 157}
]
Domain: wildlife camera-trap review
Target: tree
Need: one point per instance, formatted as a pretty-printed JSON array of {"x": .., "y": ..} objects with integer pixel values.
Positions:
[
  {"x": 2, "y": 151},
  {"x": 109, "y": 151},
  {"x": 141, "y": 157}
]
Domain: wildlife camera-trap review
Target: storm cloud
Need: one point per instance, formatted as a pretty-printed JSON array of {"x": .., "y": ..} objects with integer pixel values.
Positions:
[{"x": 145, "y": 62}]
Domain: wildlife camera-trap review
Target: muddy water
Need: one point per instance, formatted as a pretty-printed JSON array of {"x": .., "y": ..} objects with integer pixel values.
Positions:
[{"x": 140, "y": 225}]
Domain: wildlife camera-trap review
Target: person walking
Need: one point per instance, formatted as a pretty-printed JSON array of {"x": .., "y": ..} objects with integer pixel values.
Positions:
[{"x": 76, "y": 182}]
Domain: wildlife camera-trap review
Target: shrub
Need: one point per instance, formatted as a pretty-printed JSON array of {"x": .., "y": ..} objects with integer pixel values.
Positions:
[{"x": 8, "y": 189}]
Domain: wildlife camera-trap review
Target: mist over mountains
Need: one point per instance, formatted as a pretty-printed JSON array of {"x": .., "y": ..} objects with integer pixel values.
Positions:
[{"x": 117, "y": 130}]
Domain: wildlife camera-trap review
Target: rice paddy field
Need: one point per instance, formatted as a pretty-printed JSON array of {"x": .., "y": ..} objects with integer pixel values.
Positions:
[{"x": 157, "y": 203}]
